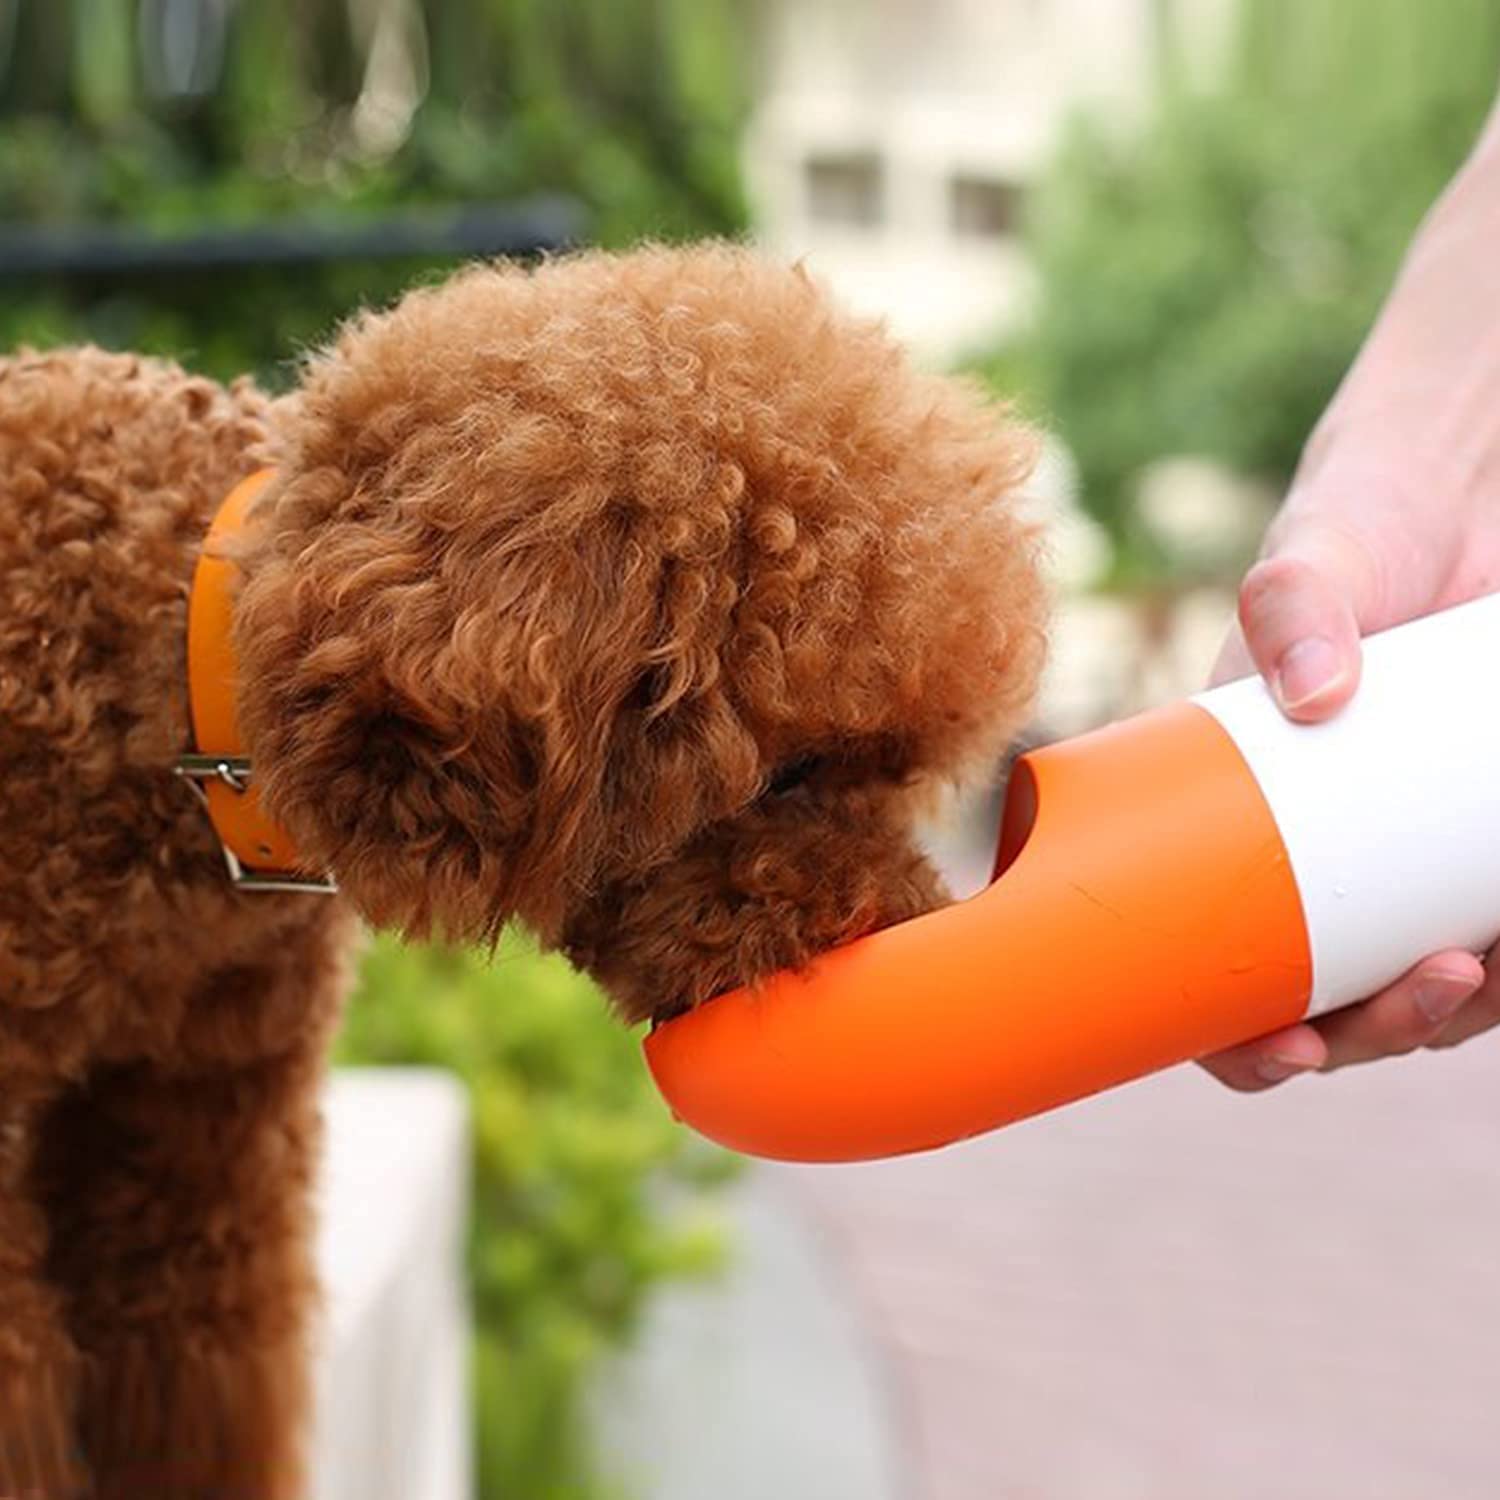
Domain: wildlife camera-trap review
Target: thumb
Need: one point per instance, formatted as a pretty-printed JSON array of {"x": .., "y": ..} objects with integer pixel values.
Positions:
[{"x": 1299, "y": 613}]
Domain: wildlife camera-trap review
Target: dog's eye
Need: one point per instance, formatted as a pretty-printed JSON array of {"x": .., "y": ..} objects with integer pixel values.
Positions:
[{"x": 793, "y": 774}]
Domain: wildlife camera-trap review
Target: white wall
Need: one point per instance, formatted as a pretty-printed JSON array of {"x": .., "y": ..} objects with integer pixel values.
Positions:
[{"x": 393, "y": 1416}]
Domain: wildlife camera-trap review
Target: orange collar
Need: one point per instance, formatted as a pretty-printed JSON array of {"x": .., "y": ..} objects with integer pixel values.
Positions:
[{"x": 259, "y": 853}]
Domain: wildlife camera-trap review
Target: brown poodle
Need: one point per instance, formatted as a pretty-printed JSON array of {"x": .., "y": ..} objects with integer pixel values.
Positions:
[{"x": 639, "y": 598}]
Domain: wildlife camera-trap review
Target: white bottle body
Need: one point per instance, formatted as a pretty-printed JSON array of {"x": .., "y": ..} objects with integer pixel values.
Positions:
[{"x": 1390, "y": 811}]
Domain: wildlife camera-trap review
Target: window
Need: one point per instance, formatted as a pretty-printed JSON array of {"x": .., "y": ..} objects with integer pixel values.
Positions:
[
  {"x": 983, "y": 208},
  {"x": 845, "y": 189}
]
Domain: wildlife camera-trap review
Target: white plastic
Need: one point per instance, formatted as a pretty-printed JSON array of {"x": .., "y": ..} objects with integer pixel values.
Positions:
[{"x": 1390, "y": 811}]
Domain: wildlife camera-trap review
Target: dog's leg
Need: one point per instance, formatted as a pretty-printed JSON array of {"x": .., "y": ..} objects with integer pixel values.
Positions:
[
  {"x": 183, "y": 1228},
  {"x": 38, "y": 1368}
]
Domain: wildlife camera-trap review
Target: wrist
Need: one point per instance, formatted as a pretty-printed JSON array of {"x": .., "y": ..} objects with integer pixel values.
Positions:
[{"x": 1421, "y": 403}]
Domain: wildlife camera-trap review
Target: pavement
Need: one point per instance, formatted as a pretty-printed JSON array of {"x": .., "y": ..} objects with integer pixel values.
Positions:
[
  {"x": 1172, "y": 1291},
  {"x": 769, "y": 1384},
  {"x": 1166, "y": 1293}
]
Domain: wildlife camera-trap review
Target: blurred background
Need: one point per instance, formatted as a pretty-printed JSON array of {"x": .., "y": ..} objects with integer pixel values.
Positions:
[{"x": 1161, "y": 226}]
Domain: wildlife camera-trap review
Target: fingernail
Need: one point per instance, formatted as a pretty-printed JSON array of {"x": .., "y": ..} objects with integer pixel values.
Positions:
[
  {"x": 1273, "y": 1069},
  {"x": 1439, "y": 995},
  {"x": 1308, "y": 670}
]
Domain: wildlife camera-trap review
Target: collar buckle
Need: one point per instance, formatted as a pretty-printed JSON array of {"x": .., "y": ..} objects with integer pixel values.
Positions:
[{"x": 233, "y": 771}]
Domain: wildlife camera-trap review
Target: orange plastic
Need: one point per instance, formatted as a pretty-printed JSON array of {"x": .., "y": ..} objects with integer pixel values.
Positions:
[
  {"x": 257, "y": 842},
  {"x": 1145, "y": 913}
]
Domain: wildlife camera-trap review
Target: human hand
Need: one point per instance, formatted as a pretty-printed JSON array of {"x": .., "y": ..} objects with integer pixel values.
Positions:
[
  {"x": 1392, "y": 514},
  {"x": 1353, "y": 553}
]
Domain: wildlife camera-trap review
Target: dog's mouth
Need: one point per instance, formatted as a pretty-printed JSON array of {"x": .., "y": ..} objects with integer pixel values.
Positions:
[{"x": 826, "y": 853}]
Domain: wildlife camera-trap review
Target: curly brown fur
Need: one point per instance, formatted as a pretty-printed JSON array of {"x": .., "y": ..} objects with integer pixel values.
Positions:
[
  {"x": 160, "y": 1037},
  {"x": 564, "y": 566},
  {"x": 644, "y": 599}
]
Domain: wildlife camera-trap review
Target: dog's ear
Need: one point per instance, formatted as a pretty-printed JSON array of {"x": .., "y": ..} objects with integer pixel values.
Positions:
[{"x": 429, "y": 710}]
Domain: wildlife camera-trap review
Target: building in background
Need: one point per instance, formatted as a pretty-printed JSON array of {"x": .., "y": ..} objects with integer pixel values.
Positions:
[{"x": 893, "y": 141}]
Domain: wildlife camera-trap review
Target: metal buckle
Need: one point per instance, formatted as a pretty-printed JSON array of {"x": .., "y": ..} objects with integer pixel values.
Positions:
[{"x": 234, "y": 772}]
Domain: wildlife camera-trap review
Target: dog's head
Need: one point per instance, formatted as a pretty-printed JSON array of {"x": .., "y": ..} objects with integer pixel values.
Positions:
[{"x": 642, "y": 598}]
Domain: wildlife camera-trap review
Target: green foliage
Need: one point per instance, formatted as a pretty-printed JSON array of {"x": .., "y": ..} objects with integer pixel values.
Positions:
[
  {"x": 1205, "y": 280},
  {"x": 635, "y": 107},
  {"x": 576, "y": 1162},
  {"x": 631, "y": 107}
]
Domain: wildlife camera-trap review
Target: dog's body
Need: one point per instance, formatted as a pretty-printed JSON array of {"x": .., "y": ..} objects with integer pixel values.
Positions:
[
  {"x": 161, "y": 1036},
  {"x": 639, "y": 598}
]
